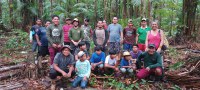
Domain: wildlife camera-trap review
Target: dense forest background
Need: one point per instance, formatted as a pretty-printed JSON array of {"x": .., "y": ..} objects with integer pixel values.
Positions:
[{"x": 176, "y": 17}]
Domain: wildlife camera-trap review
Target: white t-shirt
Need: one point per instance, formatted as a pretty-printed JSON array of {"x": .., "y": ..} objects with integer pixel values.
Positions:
[{"x": 110, "y": 61}]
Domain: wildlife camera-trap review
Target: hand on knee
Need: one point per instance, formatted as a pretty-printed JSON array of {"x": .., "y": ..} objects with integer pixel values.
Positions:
[{"x": 158, "y": 72}]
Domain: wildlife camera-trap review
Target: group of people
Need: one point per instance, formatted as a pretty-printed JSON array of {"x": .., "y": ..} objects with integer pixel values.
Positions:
[{"x": 69, "y": 48}]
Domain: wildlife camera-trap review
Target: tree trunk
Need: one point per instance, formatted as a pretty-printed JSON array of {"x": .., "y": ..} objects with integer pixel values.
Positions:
[
  {"x": 11, "y": 13},
  {"x": 125, "y": 9},
  {"x": 189, "y": 13},
  {"x": 40, "y": 8}
]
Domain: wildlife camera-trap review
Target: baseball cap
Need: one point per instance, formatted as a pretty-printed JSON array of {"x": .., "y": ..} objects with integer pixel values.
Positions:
[
  {"x": 130, "y": 21},
  {"x": 68, "y": 19},
  {"x": 144, "y": 19},
  {"x": 75, "y": 19},
  {"x": 151, "y": 46},
  {"x": 81, "y": 53}
]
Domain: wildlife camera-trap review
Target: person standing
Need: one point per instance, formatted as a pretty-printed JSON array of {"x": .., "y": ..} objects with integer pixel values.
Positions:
[
  {"x": 129, "y": 36},
  {"x": 33, "y": 32},
  {"x": 66, "y": 29},
  {"x": 54, "y": 37},
  {"x": 87, "y": 30},
  {"x": 155, "y": 36},
  {"x": 100, "y": 36},
  {"x": 141, "y": 34},
  {"x": 75, "y": 35},
  {"x": 42, "y": 42},
  {"x": 115, "y": 35}
]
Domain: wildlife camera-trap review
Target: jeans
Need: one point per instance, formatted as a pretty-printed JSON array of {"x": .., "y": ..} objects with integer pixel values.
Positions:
[
  {"x": 127, "y": 47},
  {"x": 79, "y": 80},
  {"x": 115, "y": 46},
  {"x": 34, "y": 45}
]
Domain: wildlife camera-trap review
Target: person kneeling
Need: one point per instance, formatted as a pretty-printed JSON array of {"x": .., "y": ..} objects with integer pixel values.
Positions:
[
  {"x": 110, "y": 63},
  {"x": 83, "y": 70},
  {"x": 97, "y": 60},
  {"x": 62, "y": 65},
  {"x": 152, "y": 63},
  {"x": 127, "y": 64}
]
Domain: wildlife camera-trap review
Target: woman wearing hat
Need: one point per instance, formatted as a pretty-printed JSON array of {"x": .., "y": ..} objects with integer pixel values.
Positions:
[{"x": 75, "y": 35}]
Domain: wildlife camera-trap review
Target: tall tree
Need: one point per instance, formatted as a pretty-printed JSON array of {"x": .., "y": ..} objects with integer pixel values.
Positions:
[
  {"x": 189, "y": 13},
  {"x": 11, "y": 13},
  {"x": 125, "y": 9},
  {"x": 40, "y": 2}
]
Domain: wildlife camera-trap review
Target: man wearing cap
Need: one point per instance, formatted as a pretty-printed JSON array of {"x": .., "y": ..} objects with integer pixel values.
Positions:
[
  {"x": 141, "y": 34},
  {"x": 54, "y": 37},
  {"x": 66, "y": 29},
  {"x": 152, "y": 63},
  {"x": 62, "y": 65},
  {"x": 87, "y": 30},
  {"x": 129, "y": 34},
  {"x": 75, "y": 35}
]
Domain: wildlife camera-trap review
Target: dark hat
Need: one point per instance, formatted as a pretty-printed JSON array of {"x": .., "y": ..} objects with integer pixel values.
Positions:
[
  {"x": 66, "y": 46},
  {"x": 151, "y": 46},
  {"x": 86, "y": 19}
]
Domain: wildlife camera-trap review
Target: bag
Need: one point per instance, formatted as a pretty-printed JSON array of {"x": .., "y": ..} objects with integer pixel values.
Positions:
[{"x": 165, "y": 42}]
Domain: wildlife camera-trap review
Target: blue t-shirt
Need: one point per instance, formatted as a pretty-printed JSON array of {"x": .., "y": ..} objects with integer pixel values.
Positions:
[
  {"x": 34, "y": 29},
  {"x": 97, "y": 58},
  {"x": 42, "y": 35},
  {"x": 124, "y": 63},
  {"x": 115, "y": 32}
]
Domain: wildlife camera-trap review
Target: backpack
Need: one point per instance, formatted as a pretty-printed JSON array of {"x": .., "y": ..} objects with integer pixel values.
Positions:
[{"x": 165, "y": 42}]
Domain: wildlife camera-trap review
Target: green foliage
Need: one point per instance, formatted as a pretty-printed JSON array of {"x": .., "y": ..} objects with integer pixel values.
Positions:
[
  {"x": 18, "y": 41},
  {"x": 176, "y": 65}
]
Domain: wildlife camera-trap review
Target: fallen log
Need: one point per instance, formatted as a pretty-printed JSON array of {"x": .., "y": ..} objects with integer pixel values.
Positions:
[
  {"x": 11, "y": 86},
  {"x": 7, "y": 68}
]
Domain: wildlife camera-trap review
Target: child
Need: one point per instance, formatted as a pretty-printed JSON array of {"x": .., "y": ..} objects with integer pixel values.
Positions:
[
  {"x": 82, "y": 47},
  {"x": 83, "y": 69},
  {"x": 97, "y": 59},
  {"x": 110, "y": 62},
  {"x": 135, "y": 52},
  {"x": 127, "y": 63}
]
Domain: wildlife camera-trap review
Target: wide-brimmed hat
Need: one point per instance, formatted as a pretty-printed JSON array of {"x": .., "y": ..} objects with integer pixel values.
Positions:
[{"x": 126, "y": 53}]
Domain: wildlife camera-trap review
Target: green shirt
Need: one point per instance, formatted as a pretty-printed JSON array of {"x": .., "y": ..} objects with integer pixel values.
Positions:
[
  {"x": 55, "y": 34},
  {"x": 75, "y": 34},
  {"x": 151, "y": 61},
  {"x": 142, "y": 34}
]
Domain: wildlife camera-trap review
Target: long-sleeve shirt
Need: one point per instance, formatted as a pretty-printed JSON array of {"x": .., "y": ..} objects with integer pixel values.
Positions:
[
  {"x": 151, "y": 61},
  {"x": 76, "y": 34},
  {"x": 83, "y": 68},
  {"x": 55, "y": 34}
]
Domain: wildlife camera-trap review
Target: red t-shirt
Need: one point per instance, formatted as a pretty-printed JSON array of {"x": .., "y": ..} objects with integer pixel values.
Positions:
[
  {"x": 66, "y": 29},
  {"x": 129, "y": 35}
]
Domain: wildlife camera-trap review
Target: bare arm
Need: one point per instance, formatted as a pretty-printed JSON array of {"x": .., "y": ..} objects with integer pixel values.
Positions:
[
  {"x": 146, "y": 42},
  {"x": 109, "y": 66},
  {"x": 136, "y": 39},
  {"x": 37, "y": 39}
]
